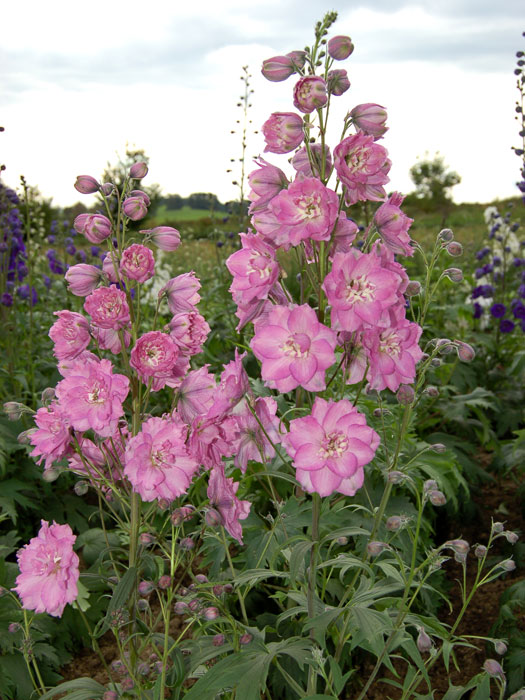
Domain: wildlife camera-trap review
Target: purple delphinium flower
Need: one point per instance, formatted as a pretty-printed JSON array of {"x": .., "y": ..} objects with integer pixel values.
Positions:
[
  {"x": 498, "y": 310},
  {"x": 506, "y": 326},
  {"x": 478, "y": 310}
]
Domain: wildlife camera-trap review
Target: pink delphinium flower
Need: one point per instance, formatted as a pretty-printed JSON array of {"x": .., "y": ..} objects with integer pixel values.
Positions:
[
  {"x": 52, "y": 438},
  {"x": 137, "y": 263},
  {"x": 362, "y": 167},
  {"x": 222, "y": 494},
  {"x": 283, "y": 132},
  {"x": 82, "y": 279},
  {"x": 359, "y": 289},
  {"x": 265, "y": 182},
  {"x": 330, "y": 447},
  {"x": 306, "y": 210},
  {"x": 182, "y": 292},
  {"x": 254, "y": 268},
  {"x": 165, "y": 238},
  {"x": 392, "y": 225},
  {"x": 108, "y": 308},
  {"x": 48, "y": 570},
  {"x": 310, "y": 93},
  {"x": 212, "y": 437},
  {"x": 233, "y": 386},
  {"x": 370, "y": 119},
  {"x": 189, "y": 330},
  {"x": 253, "y": 441},
  {"x": 393, "y": 354},
  {"x": 157, "y": 462},
  {"x": 99, "y": 463},
  {"x": 70, "y": 334},
  {"x": 65, "y": 366},
  {"x": 294, "y": 348},
  {"x": 196, "y": 394},
  {"x": 91, "y": 396},
  {"x": 153, "y": 356}
]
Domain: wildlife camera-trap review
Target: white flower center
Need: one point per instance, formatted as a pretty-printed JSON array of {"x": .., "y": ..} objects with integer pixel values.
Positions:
[
  {"x": 360, "y": 290},
  {"x": 333, "y": 445},
  {"x": 297, "y": 345}
]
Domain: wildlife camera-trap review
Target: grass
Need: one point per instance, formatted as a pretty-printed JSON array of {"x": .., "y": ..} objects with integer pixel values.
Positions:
[{"x": 164, "y": 216}]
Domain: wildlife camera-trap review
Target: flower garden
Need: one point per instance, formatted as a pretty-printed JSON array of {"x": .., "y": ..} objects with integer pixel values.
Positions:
[{"x": 287, "y": 463}]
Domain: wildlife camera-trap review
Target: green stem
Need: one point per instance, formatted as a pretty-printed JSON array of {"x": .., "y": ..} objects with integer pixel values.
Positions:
[{"x": 316, "y": 512}]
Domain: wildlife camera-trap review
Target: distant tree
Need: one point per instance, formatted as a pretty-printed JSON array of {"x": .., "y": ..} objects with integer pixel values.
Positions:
[{"x": 434, "y": 180}]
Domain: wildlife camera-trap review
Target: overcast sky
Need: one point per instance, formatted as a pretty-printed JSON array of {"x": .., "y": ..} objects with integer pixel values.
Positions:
[{"x": 80, "y": 80}]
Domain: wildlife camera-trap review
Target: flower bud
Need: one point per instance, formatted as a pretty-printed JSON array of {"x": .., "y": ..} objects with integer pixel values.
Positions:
[
  {"x": 500, "y": 647},
  {"x": 498, "y": 528},
  {"x": 342, "y": 540},
  {"x": 13, "y": 628},
  {"x": 446, "y": 235},
  {"x": 512, "y": 537},
  {"x": 432, "y": 391},
  {"x": 110, "y": 695},
  {"x": 187, "y": 543},
  {"x": 375, "y": 548},
  {"x": 15, "y": 410},
  {"x": 396, "y": 477},
  {"x": 81, "y": 488},
  {"x": 211, "y": 613},
  {"x": 438, "y": 447},
  {"x": 246, "y": 638},
  {"x": 218, "y": 640},
  {"x": 24, "y": 438},
  {"x": 454, "y": 248},
  {"x": 413, "y": 288},
  {"x": 444, "y": 345},
  {"x": 507, "y": 565},
  {"x": 405, "y": 395},
  {"x": 466, "y": 352},
  {"x": 165, "y": 582},
  {"x": 201, "y": 578},
  {"x": 370, "y": 118},
  {"x": 181, "y": 607},
  {"x": 47, "y": 395},
  {"x": 82, "y": 279},
  {"x": 480, "y": 551},
  {"x": 213, "y": 518},
  {"x": 340, "y": 47},
  {"x": 85, "y": 184},
  {"x": 194, "y": 605},
  {"x": 127, "y": 683},
  {"x": 145, "y": 587},
  {"x": 142, "y": 604},
  {"x": 146, "y": 538},
  {"x": 96, "y": 227},
  {"x": 430, "y": 485},
  {"x": 135, "y": 208},
  {"x": 138, "y": 171},
  {"x": 437, "y": 498},
  {"x": 51, "y": 474},
  {"x": 454, "y": 274},
  {"x": 492, "y": 667},
  {"x": 393, "y": 523},
  {"x": 518, "y": 695},
  {"x": 278, "y": 68},
  {"x": 107, "y": 189},
  {"x": 228, "y": 588},
  {"x": 459, "y": 546},
  {"x": 435, "y": 362},
  {"x": 337, "y": 82},
  {"x": 165, "y": 238},
  {"x": 424, "y": 643},
  {"x": 218, "y": 590},
  {"x": 460, "y": 558}
]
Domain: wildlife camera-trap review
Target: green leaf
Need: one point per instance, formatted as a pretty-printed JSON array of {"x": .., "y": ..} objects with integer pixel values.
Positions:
[
  {"x": 79, "y": 689},
  {"x": 297, "y": 559},
  {"x": 119, "y": 598},
  {"x": 483, "y": 690}
]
